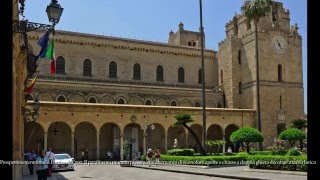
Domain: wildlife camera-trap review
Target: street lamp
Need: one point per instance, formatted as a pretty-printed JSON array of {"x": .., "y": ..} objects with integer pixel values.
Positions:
[
  {"x": 31, "y": 116},
  {"x": 145, "y": 134},
  {"x": 54, "y": 11}
]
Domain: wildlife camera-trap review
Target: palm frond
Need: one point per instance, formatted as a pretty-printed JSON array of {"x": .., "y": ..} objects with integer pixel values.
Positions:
[{"x": 255, "y": 9}]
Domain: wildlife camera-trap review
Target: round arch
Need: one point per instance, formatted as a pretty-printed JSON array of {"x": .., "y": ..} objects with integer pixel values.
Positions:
[
  {"x": 229, "y": 130},
  {"x": 109, "y": 140},
  {"x": 192, "y": 143},
  {"x": 85, "y": 138},
  {"x": 155, "y": 138},
  {"x": 59, "y": 137},
  {"x": 33, "y": 136},
  {"x": 178, "y": 133},
  {"x": 133, "y": 135}
]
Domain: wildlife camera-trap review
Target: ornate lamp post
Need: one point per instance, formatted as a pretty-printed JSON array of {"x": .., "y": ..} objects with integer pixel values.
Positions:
[
  {"x": 54, "y": 12},
  {"x": 29, "y": 115},
  {"x": 145, "y": 134}
]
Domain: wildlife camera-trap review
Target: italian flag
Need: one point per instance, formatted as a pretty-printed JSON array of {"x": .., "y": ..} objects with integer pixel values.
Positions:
[{"x": 51, "y": 56}]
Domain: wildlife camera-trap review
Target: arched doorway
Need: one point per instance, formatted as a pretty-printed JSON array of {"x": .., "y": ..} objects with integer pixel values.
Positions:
[
  {"x": 59, "y": 138},
  {"x": 33, "y": 137},
  {"x": 192, "y": 143},
  {"x": 229, "y": 130},
  {"x": 214, "y": 132},
  {"x": 86, "y": 138},
  {"x": 133, "y": 137},
  {"x": 281, "y": 127},
  {"x": 109, "y": 140},
  {"x": 178, "y": 133},
  {"x": 155, "y": 138}
]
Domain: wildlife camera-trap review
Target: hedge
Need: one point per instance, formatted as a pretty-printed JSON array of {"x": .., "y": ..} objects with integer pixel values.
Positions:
[
  {"x": 181, "y": 152},
  {"x": 275, "y": 162}
]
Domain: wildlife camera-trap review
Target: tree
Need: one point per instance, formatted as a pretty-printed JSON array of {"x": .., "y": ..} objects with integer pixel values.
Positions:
[
  {"x": 216, "y": 145},
  {"x": 299, "y": 124},
  {"x": 292, "y": 135},
  {"x": 246, "y": 136},
  {"x": 182, "y": 120},
  {"x": 254, "y": 10}
]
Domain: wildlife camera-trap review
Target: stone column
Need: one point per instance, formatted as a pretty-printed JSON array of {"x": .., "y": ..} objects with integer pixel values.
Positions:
[
  {"x": 98, "y": 146},
  {"x": 45, "y": 138},
  {"x": 144, "y": 145},
  {"x": 72, "y": 144},
  {"x": 187, "y": 134},
  {"x": 121, "y": 146},
  {"x": 224, "y": 145},
  {"x": 165, "y": 141}
]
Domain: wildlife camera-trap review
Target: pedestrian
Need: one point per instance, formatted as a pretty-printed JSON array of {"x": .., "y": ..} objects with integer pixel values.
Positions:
[
  {"x": 42, "y": 166},
  {"x": 31, "y": 158},
  {"x": 157, "y": 156},
  {"x": 149, "y": 154},
  {"x": 86, "y": 154},
  {"x": 229, "y": 150},
  {"x": 82, "y": 156},
  {"x": 109, "y": 156},
  {"x": 50, "y": 156}
]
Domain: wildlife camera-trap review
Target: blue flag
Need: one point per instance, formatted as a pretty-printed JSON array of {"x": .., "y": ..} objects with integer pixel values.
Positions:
[{"x": 43, "y": 43}]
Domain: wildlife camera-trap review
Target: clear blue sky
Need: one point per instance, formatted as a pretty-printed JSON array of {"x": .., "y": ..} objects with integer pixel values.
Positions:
[{"x": 153, "y": 19}]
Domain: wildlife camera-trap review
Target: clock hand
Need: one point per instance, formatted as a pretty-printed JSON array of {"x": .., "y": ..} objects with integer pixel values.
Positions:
[{"x": 279, "y": 44}]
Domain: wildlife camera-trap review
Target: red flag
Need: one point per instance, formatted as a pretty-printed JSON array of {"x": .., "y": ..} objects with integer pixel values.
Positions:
[
  {"x": 53, "y": 66},
  {"x": 29, "y": 88}
]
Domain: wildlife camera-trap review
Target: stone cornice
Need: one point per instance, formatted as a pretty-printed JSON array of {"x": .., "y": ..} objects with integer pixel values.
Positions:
[
  {"x": 274, "y": 84},
  {"x": 157, "y": 46},
  {"x": 104, "y": 82}
]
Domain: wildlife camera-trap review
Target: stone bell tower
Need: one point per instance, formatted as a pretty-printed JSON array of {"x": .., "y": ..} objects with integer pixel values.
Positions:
[{"x": 280, "y": 69}]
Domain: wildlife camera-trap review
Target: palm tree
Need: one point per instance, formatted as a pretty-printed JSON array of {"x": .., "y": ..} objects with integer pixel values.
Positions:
[
  {"x": 182, "y": 120},
  {"x": 254, "y": 10},
  {"x": 299, "y": 124}
]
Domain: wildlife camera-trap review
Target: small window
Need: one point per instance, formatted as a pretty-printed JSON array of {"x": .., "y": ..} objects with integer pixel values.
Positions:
[
  {"x": 279, "y": 72},
  {"x": 92, "y": 100},
  {"x": 200, "y": 76},
  {"x": 239, "y": 56},
  {"x": 181, "y": 75},
  {"x": 113, "y": 70},
  {"x": 160, "y": 73},
  {"x": 148, "y": 102},
  {"x": 189, "y": 43},
  {"x": 194, "y": 44},
  {"x": 173, "y": 103},
  {"x": 61, "y": 99},
  {"x": 136, "y": 71},
  {"x": 120, "y": 101},
  {"x": 240, "y": 88},
  {"x": 87, "y": 67},
  {"x": 248, "y": 25},
  {"x": 219, "y": 105},
  {"x": 221, "y": 76},
  {"x": 60, "y": 65},
  {"x": 197, "y": 104}
]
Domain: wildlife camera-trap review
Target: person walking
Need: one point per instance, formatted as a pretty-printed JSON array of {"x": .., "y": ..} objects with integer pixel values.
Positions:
[
  {"x": 50, "y": 156},
  {"x": 42, "y": 166},
  {"x": 157, "y": 156},
  {"x": 31, "y": 158},
  {"x": 149, "y": 154}
]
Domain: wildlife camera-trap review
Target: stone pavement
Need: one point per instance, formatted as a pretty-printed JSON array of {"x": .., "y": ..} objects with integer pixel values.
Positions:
[{"x": 235, "y": 172}]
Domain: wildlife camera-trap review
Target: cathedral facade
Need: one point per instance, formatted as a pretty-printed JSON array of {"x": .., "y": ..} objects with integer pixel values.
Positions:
[{"x": 109, "y": 91}]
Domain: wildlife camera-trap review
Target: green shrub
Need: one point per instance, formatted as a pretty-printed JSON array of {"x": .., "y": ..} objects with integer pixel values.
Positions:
[
  {"x": 292, "y": 135},
  {"x": 260, "y": 152},
  {"x": 181, "y": 152},
  {"x": 278, "y": 148},
  {"x": 294, "y": 152},
  {"x": 289, "y": 163},
  {"x": 246, "y": 136},
  {"x": 143, "y": 158}
]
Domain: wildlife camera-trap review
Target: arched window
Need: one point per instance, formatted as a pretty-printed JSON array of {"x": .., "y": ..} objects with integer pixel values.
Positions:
[
  {"x": 136, "y": 71},
  {"x": 28, "y": 97},
  {"x": 173, "y": 103},
  {"x": 148, "y": 102},
  {"x": 197, "y": 104},
  {"x": 181, "y": 75},
  {"x": 279, "y": 72},
  {"x": 60, "y": 65},
  {"x": 61, "y": 99},
  {"x": 120, "y": 101},
  {"x": 160, "y": 73},
  {"x": 239, "y": 56},
  {"x": 240, "y": 88},
  {"x": 92, "y": 100},
  {"x": 219, "y": 105},
  {"x": 113, "y": 70},
  {"x": 87, "y": 68},
  {"x": 200, "y": 76},
  {"x": 221, "y": 76}
]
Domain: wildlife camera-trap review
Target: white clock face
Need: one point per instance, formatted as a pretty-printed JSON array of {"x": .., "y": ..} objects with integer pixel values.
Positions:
[{"x": 279, "y": 44}]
